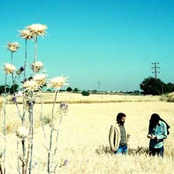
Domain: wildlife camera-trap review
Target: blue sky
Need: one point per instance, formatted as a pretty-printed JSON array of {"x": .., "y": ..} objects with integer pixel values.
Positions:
[{"x": 111, "y": 41}]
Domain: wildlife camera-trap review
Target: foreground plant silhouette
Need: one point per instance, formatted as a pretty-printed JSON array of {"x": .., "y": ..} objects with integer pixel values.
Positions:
[{"x": 30, "y": 87}]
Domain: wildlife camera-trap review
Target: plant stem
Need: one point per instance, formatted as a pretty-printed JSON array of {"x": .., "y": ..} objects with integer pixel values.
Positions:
[
  {"x": 1, "y": 172},
  {"x": 35, "y": 54},
  {"x": 57, "y": 136},
  {"x": 18, "y": 168},
  {"x": 56, "y": 93},
  {"x": 35, "y": 58},
  {"x": 31, "y": 131},
  {"x": 25, "y": 62},
  {"x": 23, "y": 150},
  {"x": 41, "y": 118},
  {"x": 49, "y": 151},
  {"x": 51, "y": 133},
  {"x": 23, "y": 95},
  {"x": 11, "y": 57},
  {"x": 13, "y": 83},
  {"x": 4, "y": 109},
  {"x": 28, "y": 156}
]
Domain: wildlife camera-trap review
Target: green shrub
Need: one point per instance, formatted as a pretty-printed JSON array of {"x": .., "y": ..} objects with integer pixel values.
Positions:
[
  {"x": 69, "y": 89},
  {"x": 85, "y": 93},
  {"x": 75, "y": 90}
]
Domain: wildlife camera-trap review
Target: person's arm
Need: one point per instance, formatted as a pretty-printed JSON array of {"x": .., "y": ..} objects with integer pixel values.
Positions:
[
  {"x": 163, "y": 135},
  {"x": 149, "y": 135},
  {"x": 111, "y": 138}
]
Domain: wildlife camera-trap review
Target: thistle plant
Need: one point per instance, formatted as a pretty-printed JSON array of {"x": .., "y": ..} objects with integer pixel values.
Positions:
[
  {"x": 12, "y": 47},
  {"x": 9, "y": 69},
  {"x": 37, "y": 66},
  {"x": 30, "y": 88},
  {"x": 27, "y": 35},
  {"x": 37, "y": 30},
  {"x": 55, "y": 83},
  {"x": 62, "y": 111}
]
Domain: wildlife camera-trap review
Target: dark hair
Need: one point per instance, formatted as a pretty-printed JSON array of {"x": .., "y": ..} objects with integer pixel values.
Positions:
[
  {"x": 154, "y": 120},
  {"x": 119, "y": 117}
]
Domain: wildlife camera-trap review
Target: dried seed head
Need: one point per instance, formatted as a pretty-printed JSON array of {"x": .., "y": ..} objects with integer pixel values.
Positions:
[
  {"x": 25, "y": 34},
  {"x": 37, "y": 66},
  {"x": 40, "y": 79},
  {"x": 58, "y": 82},
  {"x": 9, "y": 68},
  {"x": 22, "y": 132},
  {"x": 30, "y": 85},
  {"x": 37, "y": 29},
  {"x": 13, "y": 47}
]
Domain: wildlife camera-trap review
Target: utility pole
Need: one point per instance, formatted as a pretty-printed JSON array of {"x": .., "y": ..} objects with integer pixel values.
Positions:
[
  {"x": 155, "y": 67},
  {"x": 98, "y": 83}
]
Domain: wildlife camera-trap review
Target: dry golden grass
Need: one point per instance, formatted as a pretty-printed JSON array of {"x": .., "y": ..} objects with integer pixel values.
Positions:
[
  {"x": 1, "y": 103},
  {"x": 93, "y": 98},
  {"x": 83, "y": 139}
]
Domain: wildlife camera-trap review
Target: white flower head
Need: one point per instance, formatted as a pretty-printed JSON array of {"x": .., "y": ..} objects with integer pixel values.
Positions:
[
  {"x": 37, "y": 66},
  {"x": 22, "y": 132},
  {"x": 40, "y": 79},
  {"x": 37, "y": 29},
  {"x": 25, "y": 34},
  {"x": 13, "y": 47},
  {"x": 58, "y": 82},
  {"x": 31, "y": 85},
  {"x": 9, "y": 68}
]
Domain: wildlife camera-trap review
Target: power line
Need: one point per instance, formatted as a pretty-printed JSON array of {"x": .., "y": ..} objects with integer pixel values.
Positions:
[{"x": 155, "y": 67}]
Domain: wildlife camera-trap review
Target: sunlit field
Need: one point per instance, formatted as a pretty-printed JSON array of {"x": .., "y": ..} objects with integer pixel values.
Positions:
[{"x": 83, "y": 137}]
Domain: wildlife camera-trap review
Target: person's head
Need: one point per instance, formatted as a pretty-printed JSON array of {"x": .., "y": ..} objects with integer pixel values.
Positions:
[
  {"x": 121, "y": 117},
  {"x": 154, "y": 120}
]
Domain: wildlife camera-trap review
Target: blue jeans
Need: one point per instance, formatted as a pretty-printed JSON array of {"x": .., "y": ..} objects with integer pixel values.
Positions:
[
  {"x": 159, "y": 151},
  {"x": 122, "y": 149}
]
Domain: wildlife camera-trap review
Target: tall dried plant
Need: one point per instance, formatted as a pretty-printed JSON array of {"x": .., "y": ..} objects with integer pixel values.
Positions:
[
  {"x": 9, "y": 69},
  {"x": 37, "y": 30},
  {"x": 30, "y": 87},
  {"x": 55, "y": 83}
]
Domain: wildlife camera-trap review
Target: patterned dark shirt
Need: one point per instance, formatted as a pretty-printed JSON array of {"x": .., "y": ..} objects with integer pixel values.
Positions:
[{"x": 122, "y": 135}]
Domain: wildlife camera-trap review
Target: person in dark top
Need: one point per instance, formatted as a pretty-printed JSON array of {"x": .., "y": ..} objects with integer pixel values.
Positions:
[{"x": 157, "y": 133}]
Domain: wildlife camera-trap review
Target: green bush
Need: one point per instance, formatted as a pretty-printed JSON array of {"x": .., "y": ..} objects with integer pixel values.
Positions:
[
  {"x": 69, "y": 89},
  {"x": 85, "y": 93},
  {"x": 75, "y": 90}
]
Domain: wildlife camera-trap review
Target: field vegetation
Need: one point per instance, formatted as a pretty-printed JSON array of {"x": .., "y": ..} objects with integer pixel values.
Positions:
[{"x": 83, "y": 146}]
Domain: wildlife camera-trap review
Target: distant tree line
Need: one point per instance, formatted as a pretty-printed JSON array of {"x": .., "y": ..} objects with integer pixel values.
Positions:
[
  {"x": 9, "y": 89},
  {"x": 76, "y": 90},
  {"x": 155, "y": 86},
  {"x": 149, "y": 86}
]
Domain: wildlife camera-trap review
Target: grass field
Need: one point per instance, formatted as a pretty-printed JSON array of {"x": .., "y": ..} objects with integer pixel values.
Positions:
[{"x": 83, "y": 138}]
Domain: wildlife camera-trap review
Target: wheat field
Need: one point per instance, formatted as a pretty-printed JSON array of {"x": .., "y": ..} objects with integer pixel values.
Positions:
[{"x": 83, "y": 137}]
